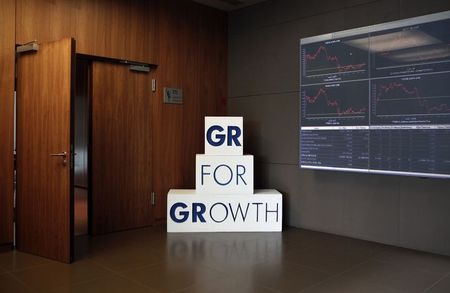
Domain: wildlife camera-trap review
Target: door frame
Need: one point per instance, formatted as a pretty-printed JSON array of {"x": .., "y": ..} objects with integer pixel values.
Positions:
[{"x": 90, "y": 59}]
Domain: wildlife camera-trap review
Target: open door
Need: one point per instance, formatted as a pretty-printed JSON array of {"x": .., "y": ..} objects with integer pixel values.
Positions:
[
  {"x": 121, "y": 158},
  {"x": 44, "y": 219}
]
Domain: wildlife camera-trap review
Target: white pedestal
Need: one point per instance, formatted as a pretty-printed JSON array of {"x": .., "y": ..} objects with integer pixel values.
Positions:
[{"x": 188, "y": 211}]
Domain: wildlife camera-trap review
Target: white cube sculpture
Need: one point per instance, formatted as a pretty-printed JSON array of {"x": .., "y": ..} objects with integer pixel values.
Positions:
[{"x": 224, "y": 199}]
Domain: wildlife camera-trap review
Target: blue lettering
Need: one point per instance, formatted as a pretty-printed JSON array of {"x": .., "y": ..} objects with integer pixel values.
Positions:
[
  {"x": 273, "y": 211},
  {"x": 219, "y": 138},
  {"x": 184, "y": 214},
  {"x": 239, "y": 210},
  {"x": 234, "y": 133},
  {"x": 211, "y": 212},
  {"x": 203, "y": 173},
  {"x": 240, "y": 174},
  {"x": 257, "y": 204},
  {"x": 232, "y": 136},
  {"x": 198, "y": 209},
  {"x": 215, "y": 177}
]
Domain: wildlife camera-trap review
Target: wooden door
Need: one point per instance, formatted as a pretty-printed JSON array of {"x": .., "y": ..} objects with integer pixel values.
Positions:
[
  {"x": 121, "y": 157},
  {"x": 44, "y": 161}
]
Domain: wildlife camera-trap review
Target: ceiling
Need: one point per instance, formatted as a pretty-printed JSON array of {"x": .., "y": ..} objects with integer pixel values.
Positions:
[{"x": 228, "y": 5}]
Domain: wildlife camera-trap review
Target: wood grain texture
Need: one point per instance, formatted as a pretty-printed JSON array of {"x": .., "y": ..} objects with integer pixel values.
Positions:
[
  {"x": 120, "y": 29},
  {"x": 121, "y": 155},
  {"x": 187, "y": 40},
  {"x": 7, "y": 55},
  {"x": 44, "y": 183},
  {"x": 197, "y": 66}
]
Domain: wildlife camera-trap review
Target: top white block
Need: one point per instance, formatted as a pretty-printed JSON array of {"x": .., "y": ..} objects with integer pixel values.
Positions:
[{"x": 224, "y": 136}]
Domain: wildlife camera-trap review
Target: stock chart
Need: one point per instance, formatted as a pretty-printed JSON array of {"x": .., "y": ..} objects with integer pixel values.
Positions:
[
  {"x": 377, "y": 99},
  {"x": 419, "y": 99},
  {"x": 335, "y": 104},
  {"x": 333, "y": 60}
]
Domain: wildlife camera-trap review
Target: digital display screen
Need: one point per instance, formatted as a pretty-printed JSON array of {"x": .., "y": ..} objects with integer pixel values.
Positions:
[{"x": 377, "y": 99}]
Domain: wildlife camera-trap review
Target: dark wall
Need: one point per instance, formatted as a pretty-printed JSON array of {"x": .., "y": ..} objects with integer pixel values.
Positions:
[{"x": 263, "y": 87}]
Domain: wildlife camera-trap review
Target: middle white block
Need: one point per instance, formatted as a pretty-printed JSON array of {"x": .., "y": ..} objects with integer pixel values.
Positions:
[{"x": 224, "y": 174}]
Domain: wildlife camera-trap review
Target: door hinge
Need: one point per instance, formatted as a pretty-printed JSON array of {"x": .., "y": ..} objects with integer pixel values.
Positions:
[
  {"x": 153, "y": 198},
  {"x": 153, "y": 85}
]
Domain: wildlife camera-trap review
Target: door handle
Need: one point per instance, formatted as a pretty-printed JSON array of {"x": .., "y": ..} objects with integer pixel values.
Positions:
[{"x": 62, "y": 154}]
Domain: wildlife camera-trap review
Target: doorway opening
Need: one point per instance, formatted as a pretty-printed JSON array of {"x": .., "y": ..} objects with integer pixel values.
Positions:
[
  {"x": 112, "y": 148},
  {"x": 84, "y": 148},
  {"x": 81, "y": 147}
]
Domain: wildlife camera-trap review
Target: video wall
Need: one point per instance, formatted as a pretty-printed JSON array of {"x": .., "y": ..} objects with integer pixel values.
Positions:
[{"x": 377, "y": 99}]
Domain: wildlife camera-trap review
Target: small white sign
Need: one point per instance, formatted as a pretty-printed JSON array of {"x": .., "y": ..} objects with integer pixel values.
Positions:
[
  {"x": 224, "y": 136},
  {"x": 191, "y": 212},
  {"x": 224, "y": 174},
  {"x": 173, "y": 96}
]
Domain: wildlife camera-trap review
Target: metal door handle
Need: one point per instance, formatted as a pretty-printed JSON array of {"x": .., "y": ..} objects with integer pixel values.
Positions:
[{"x": 62, "y": 154}]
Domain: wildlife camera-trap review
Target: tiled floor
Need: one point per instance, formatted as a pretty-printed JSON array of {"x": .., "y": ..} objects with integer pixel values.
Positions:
[{"x": 149, "y": 260}]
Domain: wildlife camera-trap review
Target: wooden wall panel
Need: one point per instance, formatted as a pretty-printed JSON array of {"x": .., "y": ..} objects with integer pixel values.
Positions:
[
  {"x": 188, "y": 42},
  {"x": 192, "y": 56},
  {"x": 44, "y": 20},
  {"x": 7, "y": 55},
  {"x": 120, "y": 29}
]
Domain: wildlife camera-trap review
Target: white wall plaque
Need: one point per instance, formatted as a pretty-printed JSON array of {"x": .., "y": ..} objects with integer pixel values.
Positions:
[{"x": 173, "y": 96}]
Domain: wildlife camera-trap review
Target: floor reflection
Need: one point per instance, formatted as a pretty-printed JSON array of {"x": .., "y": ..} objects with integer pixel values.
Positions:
[{"x": 227, "y": 250}]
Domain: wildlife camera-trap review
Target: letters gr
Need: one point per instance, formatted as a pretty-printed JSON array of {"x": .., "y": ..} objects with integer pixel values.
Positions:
[{"x": 216, "y": 137}]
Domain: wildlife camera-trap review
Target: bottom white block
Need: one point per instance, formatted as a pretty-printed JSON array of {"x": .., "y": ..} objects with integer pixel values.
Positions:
[{"x": 191, "y": 212}]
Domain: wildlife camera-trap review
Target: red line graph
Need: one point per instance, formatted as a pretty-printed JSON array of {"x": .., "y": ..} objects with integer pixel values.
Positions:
[
  {"x": 333, "y": 103},
  {"x": 412, "y": 92},
  {"x": 334, "y": 59}
]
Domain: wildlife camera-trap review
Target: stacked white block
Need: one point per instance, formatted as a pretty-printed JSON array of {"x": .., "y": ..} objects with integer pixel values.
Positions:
[
  {"x": 191, "y": 212},
  {"x": 224, "y": 174},
  {"x": 224, "y": 136},
  {"x": 224, "y": 198}
]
